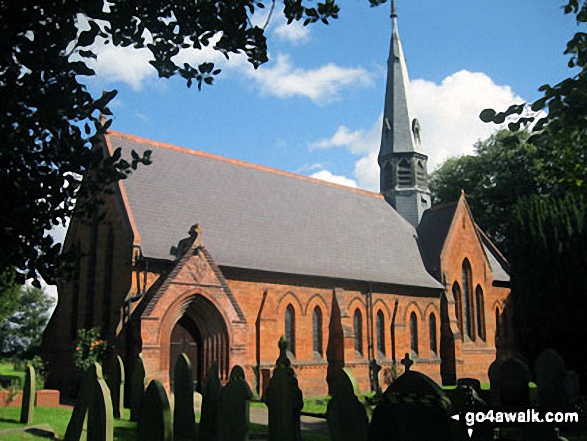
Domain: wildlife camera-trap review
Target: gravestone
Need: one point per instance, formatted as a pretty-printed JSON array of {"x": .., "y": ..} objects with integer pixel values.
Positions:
[
  {"x": 414, "y": 407},
  {"x": 27, "y": 409},
  {"x": 137, "y": 388},
  {"x": 235, "y": 400},
  {"x": 155, "y": 415},
  {"x": 346, "y": 415},
  {"x": 210, "y": 402},
  {"x": 515, "y": 377},
  {"x": 100, "y": 413},
  {"x": 184, "y": 418},
  {"x": 494, "y": 374},
  {"x": 550, "y": 373},
  {"x": 116, "y": 385},
  {"x": 284, "y": 400},
  {"x": 92, "y": 417}
]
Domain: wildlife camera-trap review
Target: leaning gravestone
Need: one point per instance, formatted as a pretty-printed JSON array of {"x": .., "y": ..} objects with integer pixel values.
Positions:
[
  {"x": 155, "y": 415},
  {"x": 346, "y": 415},
  {"x": 28, "y": 396},
  {"x": 550, "y": 373},
  {"x": 210, "y": 401},
  {"x": 284, "y": 400},
  {"x": 116, "y": 384},
  {"x": 515, "y": 377},
  {"x": 92, "y": 417},
  {"x": 235, "y": 400},
  {"x": 137, "y": 388},
  {"x": 414, "y": 407},
  {"x": 100, "y": 414}
]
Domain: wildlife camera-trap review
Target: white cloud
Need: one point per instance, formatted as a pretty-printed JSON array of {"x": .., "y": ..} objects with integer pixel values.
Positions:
[
  {"x": 449, "y": 117},
  {"x": 295, "y": 32},
  {"x": 122, "y": 64},
  {"x": 449, "y": 112},
  {"x": 325, "y": 175},
  {"x": 323, "y": 84}
]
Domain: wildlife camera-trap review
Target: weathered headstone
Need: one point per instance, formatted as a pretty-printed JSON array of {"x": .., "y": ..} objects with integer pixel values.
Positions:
[
  {"x": 515, "y": 377},
  {"x": 550, "y": 373},
  {"x": 184, "y": 418},
  {"x": 494, "y": 374},
  {"x": 116, "y": 384},
  {"x": 155, "y": 415},
  {"x": 346, "y": 415},
  {"x": 414, "y": 407},
  {"x": 100, "y": 415},
  {"x": 210, "y": 400},
  {"x": 137, "y": 388},
  {"x": 27, "y": 410},
  {"x": 235, "y": 400},
  {"x": 92, "y": 417},
  {"x": 284, "y": 399}
]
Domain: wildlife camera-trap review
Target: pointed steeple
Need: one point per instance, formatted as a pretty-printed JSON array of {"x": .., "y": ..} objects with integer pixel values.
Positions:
[{"x": 403, "y": 165}]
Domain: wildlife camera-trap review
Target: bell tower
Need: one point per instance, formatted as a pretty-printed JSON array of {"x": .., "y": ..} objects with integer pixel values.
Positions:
[{"x": 403, "y": 166}]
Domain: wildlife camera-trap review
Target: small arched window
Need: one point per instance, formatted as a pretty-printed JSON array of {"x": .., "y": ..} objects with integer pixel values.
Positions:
[
  {"x": 317, "y": 331},
  {"x": 358, "y": 321},
  {"x": 497, "y": 324},
  {"x": 432, "y": 330},
  {"x": 456, "y": 293},
  {"x": 480, "y": 312},
  {"x": 380, "y": 325},
  {"x": 468, "y": 300},
  {"x": 290, "y": 329},
  {"x": 414, "y": 333}
]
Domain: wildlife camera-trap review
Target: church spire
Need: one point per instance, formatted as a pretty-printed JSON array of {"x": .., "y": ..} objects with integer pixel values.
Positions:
[{"x": 403, "y": 165}]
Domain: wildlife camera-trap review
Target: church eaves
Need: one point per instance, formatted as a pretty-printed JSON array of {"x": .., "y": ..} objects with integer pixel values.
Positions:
[{"x": 258, "y": 218}]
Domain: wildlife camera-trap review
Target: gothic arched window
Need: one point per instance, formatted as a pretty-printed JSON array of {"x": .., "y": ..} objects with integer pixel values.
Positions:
[
  {"x": 480, "y": 312},
  {"x": 497, "y": 323},
  {"x": 414, "y": 333},
  {"x": 468, "y": 300},
  {"x": 380, "y": 325},
  {"x": 456, "y": 293},
  {"x": 317, "y": 331},
  {"x": 432, "y": 330},
  {"x": 290, "y": 329},
  {"x": 358, "y": 319}
]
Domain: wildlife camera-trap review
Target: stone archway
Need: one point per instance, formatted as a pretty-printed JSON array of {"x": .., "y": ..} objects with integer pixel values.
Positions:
[{"x": 201, "y": 333}]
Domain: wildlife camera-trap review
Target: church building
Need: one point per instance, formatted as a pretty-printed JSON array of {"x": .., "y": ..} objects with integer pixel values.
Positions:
[{"x": 219, "y": 258}]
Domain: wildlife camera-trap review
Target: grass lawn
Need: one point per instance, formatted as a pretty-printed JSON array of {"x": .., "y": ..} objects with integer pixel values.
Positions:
[
  {"x": 58, "y": 418},
  {"x": 8, "y": 369}
]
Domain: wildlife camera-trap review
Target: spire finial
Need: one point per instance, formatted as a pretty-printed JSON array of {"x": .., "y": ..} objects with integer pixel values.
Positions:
[{"x": 393, "y": 13}]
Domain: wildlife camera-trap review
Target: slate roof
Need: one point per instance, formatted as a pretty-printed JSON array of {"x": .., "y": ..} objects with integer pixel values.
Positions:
[
  {"x": 432, "y": 232},
  {"x": 258, "y": 218}
]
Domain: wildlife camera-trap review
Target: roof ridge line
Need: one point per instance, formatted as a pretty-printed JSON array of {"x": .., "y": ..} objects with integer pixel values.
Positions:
[{"x": 238, "y": 162}]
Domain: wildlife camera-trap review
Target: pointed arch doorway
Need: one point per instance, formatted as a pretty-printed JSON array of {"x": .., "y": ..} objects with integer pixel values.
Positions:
[{"x": 202, "y": 334}]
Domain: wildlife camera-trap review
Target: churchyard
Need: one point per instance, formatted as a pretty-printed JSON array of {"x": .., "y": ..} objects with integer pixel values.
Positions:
[{"x": 412, "y": 407}]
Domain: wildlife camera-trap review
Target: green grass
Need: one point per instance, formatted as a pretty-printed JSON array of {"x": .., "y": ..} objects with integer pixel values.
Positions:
[
  {"x": 8, "y": 369},
  {"x": 58, "y": 418}
]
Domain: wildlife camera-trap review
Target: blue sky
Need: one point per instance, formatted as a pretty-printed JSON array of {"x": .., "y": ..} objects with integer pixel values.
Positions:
[{"x": 315, "y": 107}]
